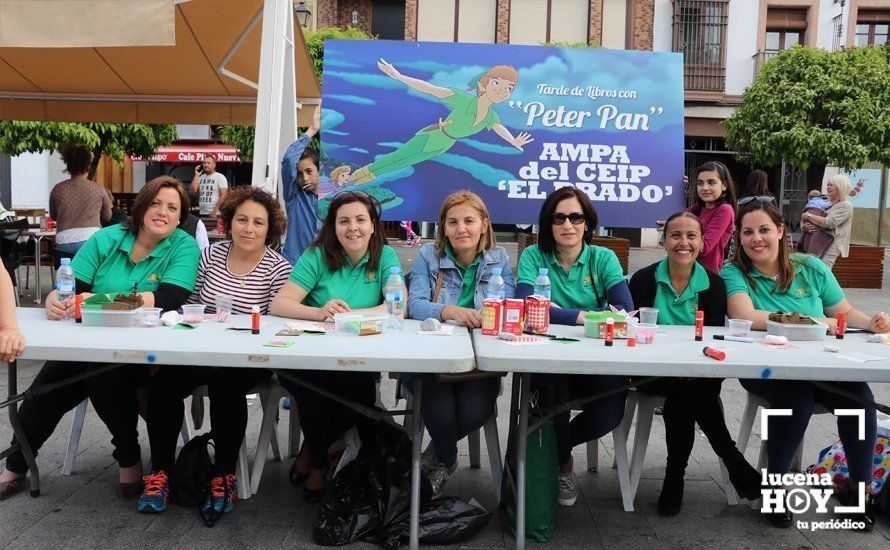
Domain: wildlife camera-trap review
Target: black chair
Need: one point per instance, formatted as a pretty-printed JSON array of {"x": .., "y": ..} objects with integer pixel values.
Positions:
[
  {"x": 58, "y": 254},
  {"x": 10, "y": 233}
]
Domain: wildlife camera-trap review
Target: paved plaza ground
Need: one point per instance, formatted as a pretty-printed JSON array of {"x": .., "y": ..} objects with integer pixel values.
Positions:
[{"x": 81, "y": 510}]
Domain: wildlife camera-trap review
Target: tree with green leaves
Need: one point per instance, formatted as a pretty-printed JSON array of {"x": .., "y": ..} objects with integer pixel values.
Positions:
[
  {"x": 113, "y": 140},
  {"x": 815, "y": 107},
  {"x": 242, "y": 137}
]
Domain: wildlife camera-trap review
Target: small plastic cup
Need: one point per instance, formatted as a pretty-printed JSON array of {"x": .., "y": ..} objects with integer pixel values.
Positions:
[
  {"x": 648, "y": 315},
  {"x": 151, "y": 316},
  {"x": 193, "y": 313},
  {"x": 223, "y": 305},
  {"x": 739, "y": 327}
]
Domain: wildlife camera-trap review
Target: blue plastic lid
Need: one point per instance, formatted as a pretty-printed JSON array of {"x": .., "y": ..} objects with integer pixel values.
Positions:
[
  {"x": 395, "y": 269},
  {"x": 66, "y": 261},
  {"x": 496, "y": 271},
  {"x": 543, "y": 271}
]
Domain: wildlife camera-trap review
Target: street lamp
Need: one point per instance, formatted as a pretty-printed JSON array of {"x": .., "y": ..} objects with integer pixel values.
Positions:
[{"x": 303, "y": 14}]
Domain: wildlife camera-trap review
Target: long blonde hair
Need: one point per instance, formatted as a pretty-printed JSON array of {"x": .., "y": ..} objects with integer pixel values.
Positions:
[{"x": 486, "y": 240}]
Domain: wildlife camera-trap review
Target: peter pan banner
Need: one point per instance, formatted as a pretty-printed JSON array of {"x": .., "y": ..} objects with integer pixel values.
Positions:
[{"x": 411, "y": 122}]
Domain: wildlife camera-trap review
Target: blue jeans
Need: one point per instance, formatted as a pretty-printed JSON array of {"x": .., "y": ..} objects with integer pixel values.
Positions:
[
  {"x": 596, "y": 419},
  {"x": 70, "y": 248},
  {"x": 451, "y": 410},
  {"x": 786, "y": 432}
]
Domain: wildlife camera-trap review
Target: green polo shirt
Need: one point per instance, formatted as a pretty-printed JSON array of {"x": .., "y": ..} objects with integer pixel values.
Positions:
[
  {"x": 468, "y": 290},
  {"x": 814, "y": 288},
  {"x": 104, "y": 262},
  {"x": 587, "y": 283},
  {"x": 673, "y": 309},
  {"x": 356, "y": 285}
]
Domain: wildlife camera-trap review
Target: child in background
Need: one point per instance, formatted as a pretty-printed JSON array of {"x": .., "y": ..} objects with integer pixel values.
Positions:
[{"x": 816, "y": 243}]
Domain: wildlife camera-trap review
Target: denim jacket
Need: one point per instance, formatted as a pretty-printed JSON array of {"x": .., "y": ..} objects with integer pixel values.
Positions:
[{"x": 426, "y": 271}]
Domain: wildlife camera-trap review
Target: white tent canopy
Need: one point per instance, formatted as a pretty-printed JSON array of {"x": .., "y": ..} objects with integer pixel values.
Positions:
[{"x": 231, "y": 62}]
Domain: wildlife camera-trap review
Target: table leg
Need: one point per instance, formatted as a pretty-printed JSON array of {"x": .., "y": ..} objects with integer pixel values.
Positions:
[
  {"x": 417, "y": 441},
  {"x": 524, "y": 380},
  {"x": 37, "y": 294},
  {"x": 19, "y": 432}
]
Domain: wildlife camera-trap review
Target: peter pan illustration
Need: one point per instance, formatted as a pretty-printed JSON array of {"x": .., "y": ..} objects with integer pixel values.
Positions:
[{"x": 470, "y": 114}]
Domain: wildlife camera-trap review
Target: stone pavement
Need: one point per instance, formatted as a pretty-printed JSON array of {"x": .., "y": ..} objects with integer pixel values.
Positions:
[{"x": 81, "y": 510}]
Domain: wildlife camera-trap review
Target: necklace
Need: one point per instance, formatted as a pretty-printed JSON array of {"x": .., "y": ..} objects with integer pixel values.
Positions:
[
  {"x": 678, "y": 293},
  {"x": 240, "y": 274}
]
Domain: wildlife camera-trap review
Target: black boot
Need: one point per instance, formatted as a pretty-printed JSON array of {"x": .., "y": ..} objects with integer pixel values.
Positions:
[
  {"x": 671, "y": 498},
  {"x": 744, "y": 477},
  {"x": 848, "y": 495}
]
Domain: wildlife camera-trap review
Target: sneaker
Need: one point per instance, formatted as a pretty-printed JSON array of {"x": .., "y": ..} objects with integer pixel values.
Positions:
[
  {"x": 568, "y": 489},
  {"x": 156, "y": 493},
  {"x": 223, "y": 492},
  {"x": 438, "y": 476}
]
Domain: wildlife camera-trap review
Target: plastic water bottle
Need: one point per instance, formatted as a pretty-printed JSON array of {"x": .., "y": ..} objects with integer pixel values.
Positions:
[
  {"x": 65, "y": 282},
  {"x": 496, "y": 287},
  {"x": 542, "y": 283},
  {"x": 396, "y": 295}
]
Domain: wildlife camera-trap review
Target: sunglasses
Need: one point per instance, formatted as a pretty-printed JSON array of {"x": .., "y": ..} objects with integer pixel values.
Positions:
[
  {"x": 577, "y": 218},
  {"x": 763, "y": 199}
]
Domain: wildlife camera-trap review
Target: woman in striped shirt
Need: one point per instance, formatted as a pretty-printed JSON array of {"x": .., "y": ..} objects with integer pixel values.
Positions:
[{"x": 246, "y": 269}]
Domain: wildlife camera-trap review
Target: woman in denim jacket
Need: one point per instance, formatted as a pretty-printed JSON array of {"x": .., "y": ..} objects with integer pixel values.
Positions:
[{"x": 464, "y": 254}]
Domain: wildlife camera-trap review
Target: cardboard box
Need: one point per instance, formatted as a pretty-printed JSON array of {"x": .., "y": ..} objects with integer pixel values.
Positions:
[
  {"x": 595, "y": 324},
  {"x": 514, "y": 315},
  {"x": 537, "y": 314},
  {"x": 492, "y": 317}
]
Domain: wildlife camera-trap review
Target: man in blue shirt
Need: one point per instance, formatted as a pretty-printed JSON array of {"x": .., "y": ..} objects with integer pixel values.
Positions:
[{"x": 300, "y": 181}]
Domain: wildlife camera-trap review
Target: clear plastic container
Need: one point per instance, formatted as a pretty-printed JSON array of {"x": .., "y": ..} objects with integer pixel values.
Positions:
[
  {"x": 797, "y": 332},
  {"x": 361, "y": 324},
  {"x": 193, "y": 313},
  {"x": 151, "y": 316},
  {"x": 739, "y": 327},
  {"x": 648, "y": 315},
  {"x": 111, "y": 317}
]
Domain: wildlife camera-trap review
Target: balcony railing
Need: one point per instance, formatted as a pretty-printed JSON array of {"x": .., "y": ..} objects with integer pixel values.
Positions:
[
  {"x": 700, "y": 33},
  {"x": 760, "y": 58}
]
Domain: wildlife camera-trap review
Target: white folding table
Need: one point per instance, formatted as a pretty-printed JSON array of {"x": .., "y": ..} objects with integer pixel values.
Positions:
[
  {"x": 211, "y": 344},
  {"x": 674, "y": 353}
]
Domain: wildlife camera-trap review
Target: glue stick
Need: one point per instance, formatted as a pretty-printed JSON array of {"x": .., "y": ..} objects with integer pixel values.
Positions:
[
  {"x": 610, "y": 331},
  {"x": 255, "y": 320},
  {"x": 841, "y": 326},
  {"x": 699, "y": 325}
]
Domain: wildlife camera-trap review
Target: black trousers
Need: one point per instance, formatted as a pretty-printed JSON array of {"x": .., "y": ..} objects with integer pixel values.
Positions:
[
  {"x": 687, "y": 402},
  {"x": 324, "y": 420},
  {"x": 112, "y": 393},
  {"x": 226, "y": 388}
]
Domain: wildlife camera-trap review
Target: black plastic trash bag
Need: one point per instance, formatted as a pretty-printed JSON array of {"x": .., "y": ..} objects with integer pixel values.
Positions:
[
  {"x": 448, "y": 521},
  {"x": 369, "y": 499}
]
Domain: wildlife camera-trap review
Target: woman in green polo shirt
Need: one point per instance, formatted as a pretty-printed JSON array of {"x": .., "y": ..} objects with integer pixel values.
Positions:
[
  {"x": 679, "y": 286},
  {"x": 345, "y": 269},
  {"x": 765, "y": 277},
  {"x": 583, "y": 277},
  {"x": 161, "y": 262}
]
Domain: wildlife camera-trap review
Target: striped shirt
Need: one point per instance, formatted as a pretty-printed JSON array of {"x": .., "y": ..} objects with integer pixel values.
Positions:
[{"x": 256, "y": 288}]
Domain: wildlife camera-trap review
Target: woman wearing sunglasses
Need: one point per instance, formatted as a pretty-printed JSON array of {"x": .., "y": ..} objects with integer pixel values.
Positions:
[
  {"x": 715, "y": 206},
  {"x": 765, "y": 277},
  {"x": 583, "y": 277}
]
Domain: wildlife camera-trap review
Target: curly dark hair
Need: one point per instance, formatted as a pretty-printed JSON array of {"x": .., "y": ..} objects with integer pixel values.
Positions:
[
  {"x": 239, "y": 195},
  {"x": 77, "y": 157}
]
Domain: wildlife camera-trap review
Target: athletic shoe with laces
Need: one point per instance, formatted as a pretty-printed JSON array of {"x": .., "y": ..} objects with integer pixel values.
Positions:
[
  {"x": 221, "y": 499},
  {"x": 438, "y": 475},
  {"x": 156, "y": 493},
  {"x": 568, "y": 489}
]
